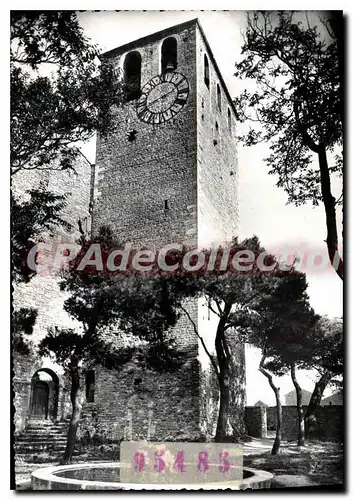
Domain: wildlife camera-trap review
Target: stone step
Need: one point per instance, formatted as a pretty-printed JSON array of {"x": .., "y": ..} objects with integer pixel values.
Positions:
[
  {"x": 47, "y": 420},
  {"x": 48, "y": 430},
  {"x": 33, "y": 448},
  {"x": 41, "y": 439},
  {"x": 39, "y": 444},
  {"x": 44, "y": 426},
  {"x": 44, "y": 434},
  {"x": 61, "y": 425},
  {"x": 40, "y": 435}
]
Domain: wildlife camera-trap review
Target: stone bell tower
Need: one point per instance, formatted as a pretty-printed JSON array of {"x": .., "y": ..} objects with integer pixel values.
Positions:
[{"x": 169, "y": 174}]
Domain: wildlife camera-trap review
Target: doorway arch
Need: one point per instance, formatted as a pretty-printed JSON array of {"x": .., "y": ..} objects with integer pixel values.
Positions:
[{"x": 44, "y": 395}]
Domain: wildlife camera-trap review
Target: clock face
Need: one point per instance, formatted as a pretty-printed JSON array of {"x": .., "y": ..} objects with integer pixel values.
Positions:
[{"x": 162, "y": 98}]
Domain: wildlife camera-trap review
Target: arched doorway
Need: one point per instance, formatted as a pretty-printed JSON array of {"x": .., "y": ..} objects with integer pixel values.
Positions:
[{"x": 44, "y": 395}]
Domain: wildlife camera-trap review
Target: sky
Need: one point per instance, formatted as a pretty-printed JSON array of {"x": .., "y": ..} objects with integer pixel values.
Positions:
[{"x": 263, "y": 207}]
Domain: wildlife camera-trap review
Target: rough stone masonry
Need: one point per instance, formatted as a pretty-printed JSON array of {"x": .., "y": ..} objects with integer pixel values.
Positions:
[{"x": 176, "y": 181}]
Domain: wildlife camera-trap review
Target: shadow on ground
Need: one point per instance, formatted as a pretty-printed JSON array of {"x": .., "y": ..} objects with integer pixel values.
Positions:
[{"x": 316, "y": 464}]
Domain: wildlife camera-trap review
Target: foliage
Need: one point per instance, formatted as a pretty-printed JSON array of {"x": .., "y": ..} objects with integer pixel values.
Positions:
[
  {"x": 23, "y": 321},
  {"x": 50, "y": 114},
  {"x": 29, "y": 219},
  {"x": 297, "y": 102},
  {"x": 298, "y": 91},
  {"x": 281, "y": 325},
  {"x": 327, "y": 336},
  {"x": 109, "y": 306}
]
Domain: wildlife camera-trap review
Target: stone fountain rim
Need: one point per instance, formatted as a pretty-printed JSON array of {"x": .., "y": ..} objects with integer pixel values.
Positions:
[{"x": 48, "y": 474}]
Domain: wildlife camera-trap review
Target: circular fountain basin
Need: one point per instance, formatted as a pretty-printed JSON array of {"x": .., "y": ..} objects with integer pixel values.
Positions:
[{"x": 106, "y": 476}]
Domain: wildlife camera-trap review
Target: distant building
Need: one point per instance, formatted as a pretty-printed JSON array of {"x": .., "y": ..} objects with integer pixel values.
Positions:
[
  {"x": 335, "y": 399},
  {"x": 290, "y": 399},
  {"x": 261, "y": 403}
]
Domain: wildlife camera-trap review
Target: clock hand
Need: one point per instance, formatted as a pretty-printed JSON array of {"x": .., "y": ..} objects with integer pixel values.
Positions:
[{"x": 161, "y": 97}]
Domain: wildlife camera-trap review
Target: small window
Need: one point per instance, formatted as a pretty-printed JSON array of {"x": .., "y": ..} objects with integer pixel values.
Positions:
[
  {"x": 90, "y": 385},
  {"x": 216, "y": 134},
  {"x": 132, "y": 75},
  {"x": 169, "y": 55},
  {"x": 229, "y": 120},
  {"x": 219, "y": 100},
  {"x": 206, "y": 71}
]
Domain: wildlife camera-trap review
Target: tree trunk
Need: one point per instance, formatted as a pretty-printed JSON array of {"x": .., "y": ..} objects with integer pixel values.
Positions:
[
  {"x": 300, "y": 412},
  {"x": 315, "y": 400},
  {"x": 330, "y": 211},
  {"x": 275, "y": 389},
  {"x": 223, "y": 359},
  {"x": 223, "y": 415},
  {"x": 327, "y": 198},
  {"x": 278, "y": 437},
  {"x": 76, "y": 397}
]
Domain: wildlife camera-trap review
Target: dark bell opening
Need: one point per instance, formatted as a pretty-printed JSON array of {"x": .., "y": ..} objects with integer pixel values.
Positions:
[{"x": 169, "y": 55}]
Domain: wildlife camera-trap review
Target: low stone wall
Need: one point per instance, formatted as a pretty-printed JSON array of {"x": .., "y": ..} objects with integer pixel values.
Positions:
[
  {"x": 330, "y": 422},
  {"x": 63, "y": 478},
  {"x": 271, "y": 418}
]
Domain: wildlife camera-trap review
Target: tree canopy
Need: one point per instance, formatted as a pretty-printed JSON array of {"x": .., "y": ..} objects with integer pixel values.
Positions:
[
  {"x": 296, "y": 107},
  {"x": 51, "y": 113},
  {"x": 60, "y": 96}
]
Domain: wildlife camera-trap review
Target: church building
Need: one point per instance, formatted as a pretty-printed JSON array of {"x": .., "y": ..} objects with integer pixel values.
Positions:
[{"x": 167, "y": 175}]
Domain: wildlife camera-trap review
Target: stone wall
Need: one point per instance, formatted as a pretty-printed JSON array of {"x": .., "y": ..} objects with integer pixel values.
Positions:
[
  {"x": 271, "y": 418},
  {"x": 256, "y": 421},
  {"x": 43, "y": 292},
  {"x": 330, "y": 422},
  {"x": 125, "y": 401},
  {"x": 21, "y": 384},
  {"x": 217, "y": 169}
]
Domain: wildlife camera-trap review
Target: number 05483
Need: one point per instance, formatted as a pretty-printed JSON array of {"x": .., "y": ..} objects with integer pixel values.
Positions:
[{"x": 180, "y": 463}]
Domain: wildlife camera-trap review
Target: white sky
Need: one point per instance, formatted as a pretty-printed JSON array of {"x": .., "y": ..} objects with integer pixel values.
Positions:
[{"x": 263, "y": 208}]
